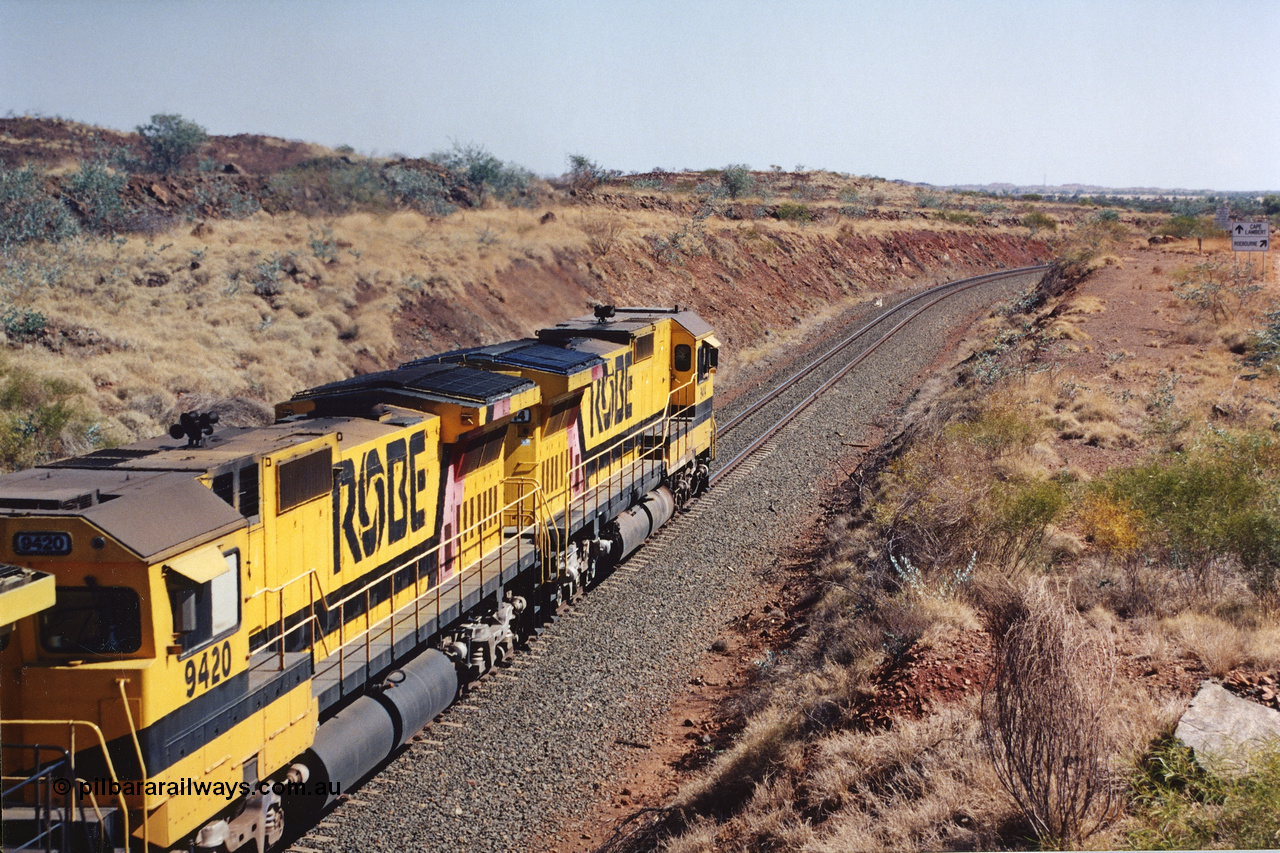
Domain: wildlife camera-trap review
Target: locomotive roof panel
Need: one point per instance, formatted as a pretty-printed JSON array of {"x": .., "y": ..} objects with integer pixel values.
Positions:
[
  {"x": 440, "y": 382},
  {"x": 528, "y": 353},
  {"x": 225, "y": 445},
  {"x": 149, "y": 512},
  {"x": 625, "y": 324}
]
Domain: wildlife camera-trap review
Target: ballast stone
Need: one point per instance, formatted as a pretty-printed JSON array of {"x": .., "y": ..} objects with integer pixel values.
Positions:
[{"x": 1223, "y": 728}]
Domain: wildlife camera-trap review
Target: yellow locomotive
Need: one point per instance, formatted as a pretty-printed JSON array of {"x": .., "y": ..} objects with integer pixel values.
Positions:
[{"x": 249, "y": 620}]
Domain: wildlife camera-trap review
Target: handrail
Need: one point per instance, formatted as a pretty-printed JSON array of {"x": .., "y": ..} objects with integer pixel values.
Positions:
[
  {"x": 142, "y": 767},
  {"x": 106, "y": 755},
  {"x": 533, "y": 509}
]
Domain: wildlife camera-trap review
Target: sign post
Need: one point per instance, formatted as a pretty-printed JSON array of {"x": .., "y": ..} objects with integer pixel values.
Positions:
[{"x": 1252, "y": 237}]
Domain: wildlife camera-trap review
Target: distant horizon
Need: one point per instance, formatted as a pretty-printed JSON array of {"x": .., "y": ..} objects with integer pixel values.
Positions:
[
  {"x": 1129, "y": 94},
  {"x": 988, "y": 186}
]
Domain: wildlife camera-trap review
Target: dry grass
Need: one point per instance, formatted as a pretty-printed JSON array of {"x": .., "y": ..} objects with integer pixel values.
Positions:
[
  {"x": 921, "y": 785},
  {"x": 1222, "y": 645}
]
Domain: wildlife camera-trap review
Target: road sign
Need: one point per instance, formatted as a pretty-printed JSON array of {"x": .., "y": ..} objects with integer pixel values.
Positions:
[{"x": 1250, "y": 236}]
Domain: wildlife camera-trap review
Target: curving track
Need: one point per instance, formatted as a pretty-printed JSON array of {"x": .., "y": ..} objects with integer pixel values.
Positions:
[{"x": 537, "y": 744}]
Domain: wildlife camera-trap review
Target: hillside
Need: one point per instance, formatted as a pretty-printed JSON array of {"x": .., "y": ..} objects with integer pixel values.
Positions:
[{"x": 264, "y": 266}]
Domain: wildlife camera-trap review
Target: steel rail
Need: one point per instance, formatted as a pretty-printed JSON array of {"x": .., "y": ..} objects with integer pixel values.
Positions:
[
  {"x": 950, "y": 288},
  {"x": 958, "y": 284}
]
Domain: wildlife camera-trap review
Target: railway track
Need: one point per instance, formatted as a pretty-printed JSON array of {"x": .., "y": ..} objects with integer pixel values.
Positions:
[
  {"x": 542, "y": 739},
  {"x": 856, "y": 347}
]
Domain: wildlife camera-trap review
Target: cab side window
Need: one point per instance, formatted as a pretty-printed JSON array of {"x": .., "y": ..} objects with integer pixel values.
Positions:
[
  {"x": 682, "y": 358},
  {"x": 203, "y": 612}
]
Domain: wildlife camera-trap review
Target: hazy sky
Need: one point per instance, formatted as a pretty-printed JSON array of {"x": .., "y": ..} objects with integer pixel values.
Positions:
[{"x": 1174, "y": 93}]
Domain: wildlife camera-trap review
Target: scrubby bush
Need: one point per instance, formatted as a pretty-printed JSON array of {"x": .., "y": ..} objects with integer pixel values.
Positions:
[
  {"x": 323, "y": 245},
  {"x": 95, "y": 191},
  {"x": 791, "y": 212},
  {"x": 1044, "y": 717},
  {"x": 40, "y": 419},
  {"x": 330, "y": 185},
  {"x": 1037, "y": 221},
  {"x": 423, "y": 191},
  {"x": 21, "y": 324},
  {"x": 482, "y": 173},
  {"x": 1214, "y": 504},
  {"x": 737, "y": 180},
  {"x": 29, "y": 212},
  {"x": 1264, "y": 348},
  {"x": 170, "y": 139},
  {"x": 266, "y": 276},
  {"x": 585, "y": 174},
  {"x": 1185, "y": 225}
]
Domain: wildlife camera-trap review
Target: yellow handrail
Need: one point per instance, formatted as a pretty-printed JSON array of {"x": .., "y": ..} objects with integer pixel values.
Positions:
[
  {"x": 102, "y": 742},
  {"x": 142, "y": 767}
]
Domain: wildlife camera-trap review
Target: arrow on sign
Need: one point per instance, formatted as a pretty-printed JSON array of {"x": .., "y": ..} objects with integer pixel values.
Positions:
[
  {"x": 1239, "y": 229},
  {"x": 1262, "y": 243}
]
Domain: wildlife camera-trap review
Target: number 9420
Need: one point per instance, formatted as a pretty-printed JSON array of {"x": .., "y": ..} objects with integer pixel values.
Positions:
[{"x": 213, "y": 666}]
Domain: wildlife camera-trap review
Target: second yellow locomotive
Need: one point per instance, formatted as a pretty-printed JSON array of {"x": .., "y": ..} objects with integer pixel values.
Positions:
[{"x": 247, "y": 621}]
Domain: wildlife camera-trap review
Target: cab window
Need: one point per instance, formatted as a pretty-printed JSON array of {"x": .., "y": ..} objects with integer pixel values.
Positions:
[
  {"x": 682, "y": 358},
  {"x": 708, "y": 358},
  {"x": 206, "y": 611},
  {"x": 94, "y": 620}
]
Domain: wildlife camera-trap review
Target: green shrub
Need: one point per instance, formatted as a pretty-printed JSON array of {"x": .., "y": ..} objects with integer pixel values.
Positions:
[
  {"x": 170, "y": 139},
  {"x": 95, "y": 191},
  {"x": 585, "y": 174},
  {"x": 1264, "y": 348},
  {"x": 482, "y": 173},
  {"x": 928, "y": 200},
  {"x": 323, "y": 245},
  {"x": 40, "y": 419},
  {"x": 423, "y": 191},
  {"x": 1179, "y": 805},
  {"x": 223, "y": 198},
  {"x": 22, "y": 324},
  {"x": 791, "y": 212},
  {"x": 28, "y": 212},
  {"x": 1037, "y": 221},
  {"x": 1215, "y": 503},
  {"x": 331, "y": 185},
  {"x": 737, "y": 180},
  {"x": 1185, "y": 225},
  {"x": 266, "y": 276}
]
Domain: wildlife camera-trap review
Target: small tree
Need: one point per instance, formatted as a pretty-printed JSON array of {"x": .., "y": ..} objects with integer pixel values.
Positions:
[
  {"x": 482, "y": 173},
  {"x": 170, "y": 139}
]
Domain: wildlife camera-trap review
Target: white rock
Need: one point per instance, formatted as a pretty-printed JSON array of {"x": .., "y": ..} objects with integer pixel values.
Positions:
[{"x": 1223, "y": 728}]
